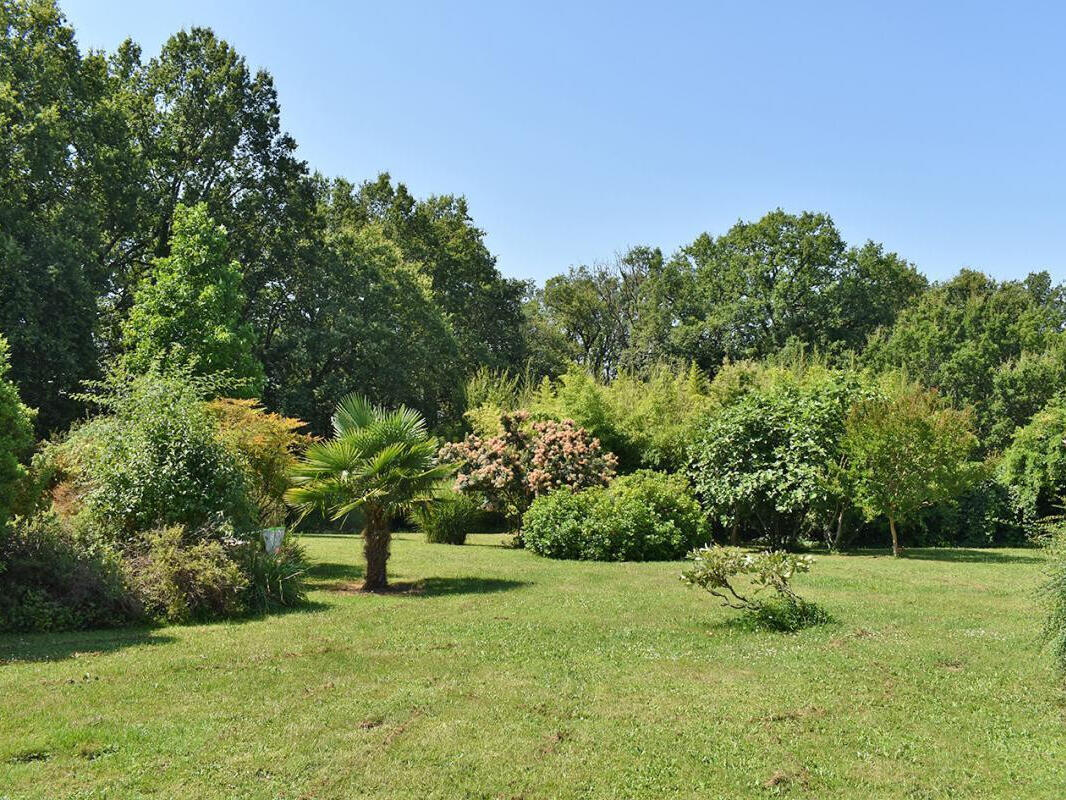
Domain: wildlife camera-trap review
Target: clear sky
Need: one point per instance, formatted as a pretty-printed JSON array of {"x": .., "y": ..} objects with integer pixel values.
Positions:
[{"x": 578, "y": 129}]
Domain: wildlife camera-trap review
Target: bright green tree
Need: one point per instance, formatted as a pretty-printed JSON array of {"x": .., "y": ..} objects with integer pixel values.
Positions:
[
  {"x": 379, "y": 465},
  {"x": 906, "y": 449},
  {"x": 971, "y": 333},
  {"x": 187, "y": 313},
  {"x": 16, "y": 437},
  {"x": 1033, "y": 467}
]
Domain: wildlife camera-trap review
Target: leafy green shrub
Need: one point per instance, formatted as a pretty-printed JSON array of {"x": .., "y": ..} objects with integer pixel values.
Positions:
[
  {"x": 266, "y": 445},
  {"x": 175, "y": 581},
  {"x": 717, "y": 569},
  {"x": 764, "y": 466},
  {"x": 559, "y": 525},
  {"x": 1033, "y": 467},
  {"x": 156, "y": 460},
  {"x": 786, "y": 615},
  {"x": 646, "y": 516},
  {"x": 275, "y": 580},
  {"x": 448, "y": 520},
  {"x": 52, "y": 581}
]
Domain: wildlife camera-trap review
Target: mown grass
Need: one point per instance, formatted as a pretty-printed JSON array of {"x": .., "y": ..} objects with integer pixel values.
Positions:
[{"x": 508, "y": 676}]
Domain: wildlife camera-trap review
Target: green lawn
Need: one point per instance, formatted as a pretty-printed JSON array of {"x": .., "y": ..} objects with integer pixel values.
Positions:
[{"x": 510, "y": 676}]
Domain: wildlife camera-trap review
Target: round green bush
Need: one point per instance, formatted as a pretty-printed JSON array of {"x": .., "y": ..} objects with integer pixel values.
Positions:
[{"x": 646, "y": 516}]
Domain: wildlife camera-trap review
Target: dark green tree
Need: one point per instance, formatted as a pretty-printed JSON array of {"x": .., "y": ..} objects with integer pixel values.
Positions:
[
  {"x": 60, "y": 144},
  {"x": 438, "y": 235},
  {"x": 16, "y": 439}
]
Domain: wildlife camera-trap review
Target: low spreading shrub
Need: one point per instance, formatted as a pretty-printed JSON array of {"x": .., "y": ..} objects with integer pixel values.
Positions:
[
  {"x": 646, "y": 516},
  {"x": 448, "y": 520},
  {"x": 719, "y": 569},
  {"x": 53, "y": 581},
  {"x": 178, "y": 581}
]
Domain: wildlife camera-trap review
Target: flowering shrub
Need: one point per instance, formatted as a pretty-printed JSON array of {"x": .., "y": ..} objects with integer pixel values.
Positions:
[
  {"x": 716, "y": 569},
  {"x": 526, "y": 460}
]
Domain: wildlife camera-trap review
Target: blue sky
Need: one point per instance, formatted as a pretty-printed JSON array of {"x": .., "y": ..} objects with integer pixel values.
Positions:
[{"x": 578, "y": 129}]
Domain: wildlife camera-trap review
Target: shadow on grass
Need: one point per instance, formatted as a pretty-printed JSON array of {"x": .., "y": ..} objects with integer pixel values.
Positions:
[
  {"x": 469, "y": 585},
  {"x": 347, "y": 578},
  {"x": 16, "y": 647},
  {"x": 331, "y": 572},
  {"x": 964, "y": 555}
]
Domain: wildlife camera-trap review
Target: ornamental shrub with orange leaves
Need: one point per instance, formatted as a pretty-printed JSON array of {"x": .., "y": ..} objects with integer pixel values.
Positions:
[{"x": 267, "y": 445}]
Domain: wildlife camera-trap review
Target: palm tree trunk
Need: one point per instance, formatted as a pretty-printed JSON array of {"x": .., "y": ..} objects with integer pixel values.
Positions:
[
  {"x": 896, "y": 551},
  {"x": 376, "y": 539}
]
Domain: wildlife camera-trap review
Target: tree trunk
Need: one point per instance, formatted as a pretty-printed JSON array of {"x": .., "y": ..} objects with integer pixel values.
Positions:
[
  {"x": 734, "y": 533},
  {"x": 896, "y": 551},
  {"x": 376, "y": 539}
]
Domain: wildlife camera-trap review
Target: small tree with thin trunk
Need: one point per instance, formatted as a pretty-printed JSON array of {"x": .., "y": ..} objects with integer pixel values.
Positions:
[
  {"x": 379, "y": 464},
  {"x": 906, "y": 449}
]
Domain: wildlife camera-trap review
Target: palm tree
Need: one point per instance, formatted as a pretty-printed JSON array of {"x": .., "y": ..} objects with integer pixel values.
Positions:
[{"x": 379, "y": 464}]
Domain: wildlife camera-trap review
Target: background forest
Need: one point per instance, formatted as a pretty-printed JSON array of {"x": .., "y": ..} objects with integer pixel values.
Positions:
[{"x": 156, "y": 219}]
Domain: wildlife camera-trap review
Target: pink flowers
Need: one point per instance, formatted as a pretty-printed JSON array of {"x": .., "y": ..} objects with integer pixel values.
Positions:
[{"x": 527, "y": 460}]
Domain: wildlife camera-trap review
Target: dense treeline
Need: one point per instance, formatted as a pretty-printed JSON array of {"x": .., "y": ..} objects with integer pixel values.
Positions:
[
  {"x": 327, "y": 285},
  {"x": 339, "y": 284}
]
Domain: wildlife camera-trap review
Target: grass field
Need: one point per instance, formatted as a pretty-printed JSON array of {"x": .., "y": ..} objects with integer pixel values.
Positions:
[{"x": 509, "y": 676}]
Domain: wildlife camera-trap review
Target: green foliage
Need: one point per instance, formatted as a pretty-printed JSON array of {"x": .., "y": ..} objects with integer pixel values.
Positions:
[
  {"x": 154, "y": 459},
  {"x": 1054, "y": 589},
  {"x": 16, "y": 439},
  {"x": 187, "y": 313},
  {"x": 275, "y": 580},
  {"x": 379, "y": 464},
  {"x": 593, "y": 310},
  {"x": 1033, "y": 467},
  {"x": 439, "y": 236},
  {"x": 747, "y": 293},
  {"x": 448, "y": 520},
  {"x": 559, "y": 525},
  {"x": 366, "y": 318},
  {"x": 906, "y": 450},
  {"x": 766, "y": 465},
  {"x": 60, "y": 140},
  {"x": 52, "y": 581},
  {"x": 178, "y": 582},
  {"x": 645, "y": 420},
  {"x": 647, "y": 516},
  {"x": 717, "y": 570},
  {"x": 979, "y": 342}
]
